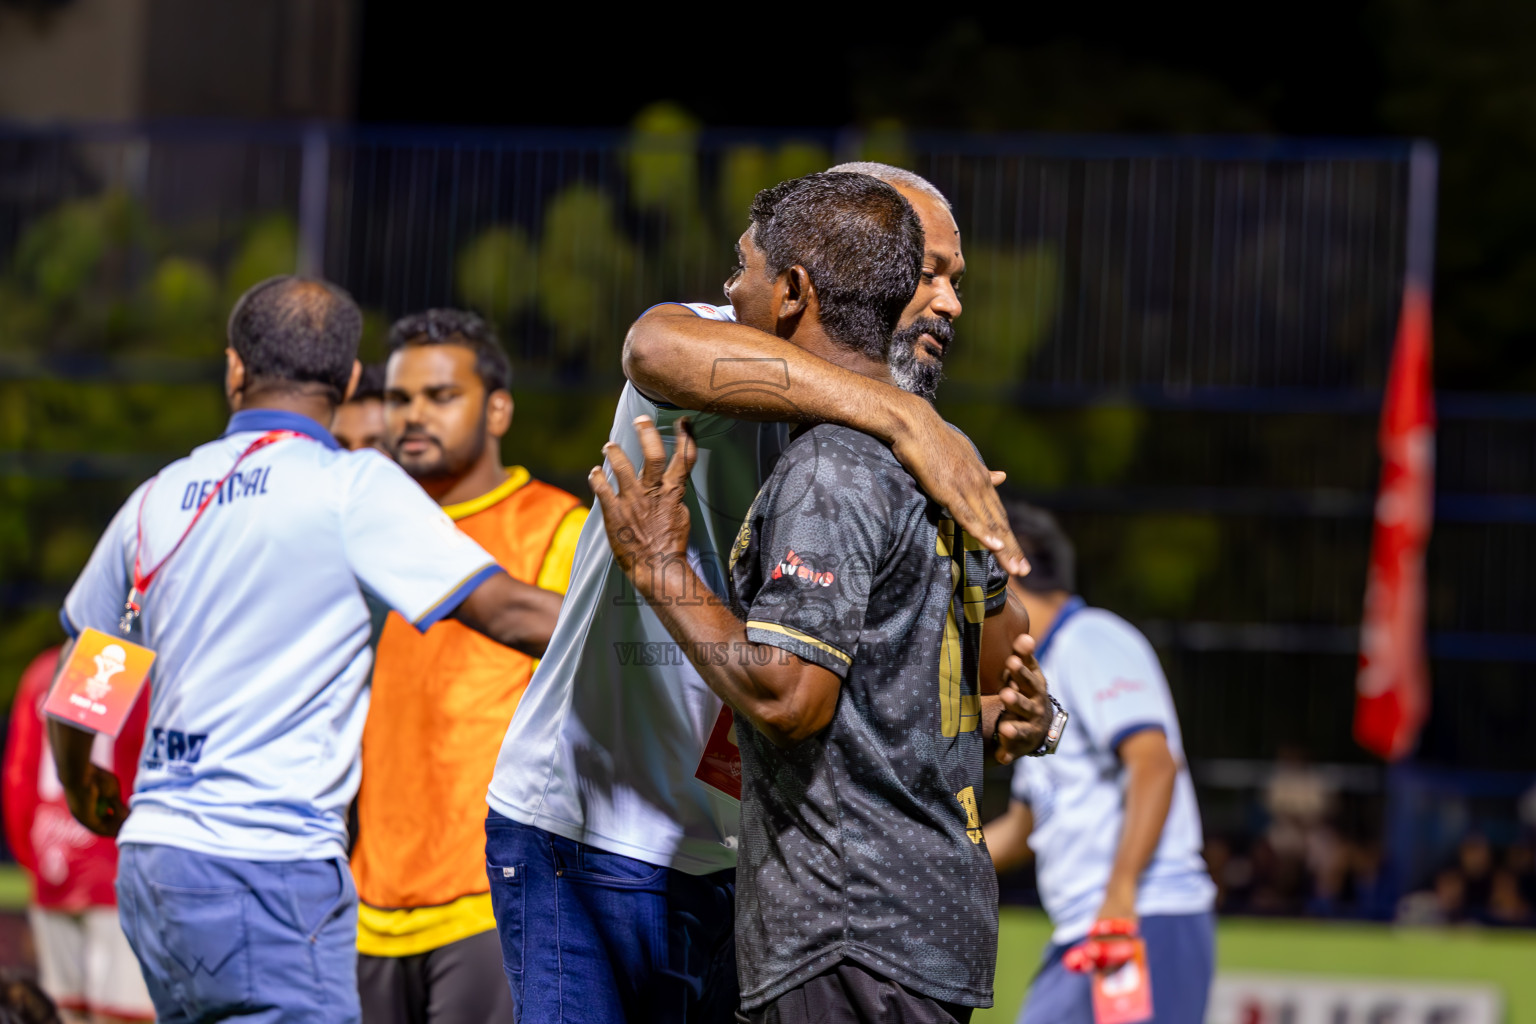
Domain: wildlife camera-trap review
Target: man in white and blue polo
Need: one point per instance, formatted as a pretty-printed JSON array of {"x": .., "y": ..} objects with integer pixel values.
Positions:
[
  {"x": 1111, "y": 818},
  {"x": 233, "y": 884}
]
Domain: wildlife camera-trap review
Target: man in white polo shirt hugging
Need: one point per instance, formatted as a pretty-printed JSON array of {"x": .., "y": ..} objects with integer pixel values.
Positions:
[{"x": 247, "y": 562}]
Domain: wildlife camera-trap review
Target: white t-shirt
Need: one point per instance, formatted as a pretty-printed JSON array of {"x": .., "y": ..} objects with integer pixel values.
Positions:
[
  {"x": 259, "y": 690},
  {"x": 608, "y": 737},
  {"x": 1107, "y": 676}
]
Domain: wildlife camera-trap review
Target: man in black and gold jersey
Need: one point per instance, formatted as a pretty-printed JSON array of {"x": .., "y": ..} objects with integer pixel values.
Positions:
[{"x": 853, "y": 654}]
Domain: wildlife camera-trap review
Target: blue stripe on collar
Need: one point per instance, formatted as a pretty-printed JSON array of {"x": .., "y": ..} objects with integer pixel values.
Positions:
[
  {"x": 1074, "y": 605},
  {"x": 248, "y": 420}
]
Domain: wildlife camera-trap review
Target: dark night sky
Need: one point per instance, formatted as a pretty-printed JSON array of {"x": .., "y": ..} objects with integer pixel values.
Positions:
[
  {"x": 1462, "y": 74},
  {"x": 1311, "y": 71}
]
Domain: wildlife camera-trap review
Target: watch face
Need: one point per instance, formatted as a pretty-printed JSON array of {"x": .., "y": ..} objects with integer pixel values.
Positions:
[{"x": 1053, "y": 734}]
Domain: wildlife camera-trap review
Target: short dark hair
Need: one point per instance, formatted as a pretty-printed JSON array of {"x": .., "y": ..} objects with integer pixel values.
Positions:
[
  {"x": 457, "y": 327},
  {"x": 860, "y": 242},
  {"x": 291, "y": 331},
  {"x": 370, "y": 383},
  {"x": 1052, "y": 560}
]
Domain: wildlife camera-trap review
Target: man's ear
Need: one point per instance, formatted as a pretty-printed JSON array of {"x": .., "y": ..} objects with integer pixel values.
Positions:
[
  {"x": 793, "y": 294},
  {"x": 234, "y": 378},
  {"x": 357, "y": 375},
  {"x": 498, "y": 413}
]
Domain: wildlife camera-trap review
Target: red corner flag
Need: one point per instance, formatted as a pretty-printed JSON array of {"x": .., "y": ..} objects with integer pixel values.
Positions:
[{"x": 1392, "y": 687}]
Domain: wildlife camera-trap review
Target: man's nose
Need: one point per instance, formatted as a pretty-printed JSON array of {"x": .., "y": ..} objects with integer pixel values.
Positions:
[
  {"x": 946, "y": 301},
  {"x": 416, "y": 410}
]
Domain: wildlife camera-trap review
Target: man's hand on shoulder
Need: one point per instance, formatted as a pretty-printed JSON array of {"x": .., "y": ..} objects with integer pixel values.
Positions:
[{"x": 946, "y": 467}]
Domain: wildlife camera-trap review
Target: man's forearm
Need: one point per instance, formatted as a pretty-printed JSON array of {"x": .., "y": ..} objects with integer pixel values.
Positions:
[
  {"x": 71, "y": 751},
  {"x": 715, "y": 641},
  {"x": 514, "y": 614},
  {"x": 739, "y": 371},
  {"x": 1148, "y": 794}
]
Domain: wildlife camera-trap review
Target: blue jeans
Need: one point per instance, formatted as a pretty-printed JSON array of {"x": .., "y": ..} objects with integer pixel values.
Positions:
[
  {"x": 1181, "y": 957},
  {"x": 594, "y": 936},
  {"x": 224, "y": 939}
]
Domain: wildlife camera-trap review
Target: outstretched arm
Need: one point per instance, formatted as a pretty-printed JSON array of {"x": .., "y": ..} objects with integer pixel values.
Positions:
[
  {"x": 513, "y": 613},
  {"x": 735, "y": 370}
]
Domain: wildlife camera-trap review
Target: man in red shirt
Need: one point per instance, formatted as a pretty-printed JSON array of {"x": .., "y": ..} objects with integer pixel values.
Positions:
[{"x": 84, "y": 960}]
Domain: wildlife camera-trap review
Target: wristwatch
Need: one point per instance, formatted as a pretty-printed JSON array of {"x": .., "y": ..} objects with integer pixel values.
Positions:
[{"x": 1053, "y": 733}]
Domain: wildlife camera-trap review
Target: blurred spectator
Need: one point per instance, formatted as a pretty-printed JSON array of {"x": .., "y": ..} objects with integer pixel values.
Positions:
[
  {"x": 1298, "y": 798},
  {"x": 1506, "y": 904},
  {"x": 1474, "y": 859},
  {"x": 84, "y": 959},
  {"x": 1450, "y": 895},
  {"x": 1520, "y": 860},
  {"x": 359, "y": 421},
  {"x": 23, "y": 1002},
  {"x": 1477, "y": 886}
]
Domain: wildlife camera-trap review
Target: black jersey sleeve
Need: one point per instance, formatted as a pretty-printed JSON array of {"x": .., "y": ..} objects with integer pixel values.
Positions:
[
  {"x": 997, "y": 583},
  {"x": 813, "y": 542}
]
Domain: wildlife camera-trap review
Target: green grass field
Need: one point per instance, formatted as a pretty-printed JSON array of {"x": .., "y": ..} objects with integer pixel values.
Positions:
[
  {"x": 1506, "y": 959},
  {"x": 14, "y": 888}
]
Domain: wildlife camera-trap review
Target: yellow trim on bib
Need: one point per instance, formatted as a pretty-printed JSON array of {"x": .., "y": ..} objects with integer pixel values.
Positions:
[
  {"x": 517, "y": 476},
  {"x": 413, "y": 930},
  {"x": 555, "y": 573}
]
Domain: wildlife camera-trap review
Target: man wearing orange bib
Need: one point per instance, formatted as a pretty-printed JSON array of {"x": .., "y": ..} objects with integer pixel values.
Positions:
[{"x": 442, "y": 699}]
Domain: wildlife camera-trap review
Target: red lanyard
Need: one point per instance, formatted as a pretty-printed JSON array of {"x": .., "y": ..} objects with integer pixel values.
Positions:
[{"x": 142, "y": 579}]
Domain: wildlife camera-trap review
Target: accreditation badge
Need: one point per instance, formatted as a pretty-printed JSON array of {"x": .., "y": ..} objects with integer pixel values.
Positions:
[
  {"x": 1123, "y": 995},
  {"x": 720, "y": 767},
  {"x": 99, "y": 683}
]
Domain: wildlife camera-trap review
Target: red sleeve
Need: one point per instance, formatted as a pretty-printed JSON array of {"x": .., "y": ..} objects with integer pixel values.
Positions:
[{"x": 23, "y": 755}]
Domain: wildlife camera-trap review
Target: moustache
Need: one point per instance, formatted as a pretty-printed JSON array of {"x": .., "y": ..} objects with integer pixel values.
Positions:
[
  {"x": 417, "y": 435},
  {"x": 942, "y": 331}
]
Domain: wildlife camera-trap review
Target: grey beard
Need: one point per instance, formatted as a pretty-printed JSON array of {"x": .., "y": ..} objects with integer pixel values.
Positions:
[{"x": 912, "y": 374}]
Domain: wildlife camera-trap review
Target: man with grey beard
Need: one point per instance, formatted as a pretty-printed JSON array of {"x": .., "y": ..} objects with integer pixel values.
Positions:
[
  {"x": 927, "y": 327},
  {"x": 851, "y": 649}
]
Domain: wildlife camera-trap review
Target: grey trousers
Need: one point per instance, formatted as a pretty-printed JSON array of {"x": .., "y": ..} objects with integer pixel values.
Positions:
[{"x": 460, "y": 983}]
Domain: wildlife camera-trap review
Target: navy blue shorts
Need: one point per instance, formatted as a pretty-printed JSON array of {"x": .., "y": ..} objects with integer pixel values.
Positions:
[
  {"x": 1181, "y": 957},
  {"x": 588, "y": 935}
]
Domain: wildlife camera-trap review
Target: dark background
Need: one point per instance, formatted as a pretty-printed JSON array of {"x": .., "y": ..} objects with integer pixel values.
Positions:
[{"x": 1460, "y": 74}]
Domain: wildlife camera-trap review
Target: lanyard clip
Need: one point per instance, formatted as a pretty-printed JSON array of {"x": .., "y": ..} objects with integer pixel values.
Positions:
[{"x": 131, "y": 609}]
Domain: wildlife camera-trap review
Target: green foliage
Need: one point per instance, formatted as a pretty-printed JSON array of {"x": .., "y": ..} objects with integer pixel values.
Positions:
[
  {"x": 1165, "y": 558},
  {"x": 885, "y": 142},
  {"x": 747, "y": 169},
  {"x": 587, "y": 271},
  {"x": 94, "y": 276},
  {"x": 60, "y": 256},
  {"x": 1009, "y": 303},
  {"x": 498, "y": 273},
  {"x": 270, "y": 248},
  {"x": 559, "y": 435},
  {"x": 662, "y": 160},
  {"x": 27, "y": 634},
  {"x": 1110, "y": 434}
]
